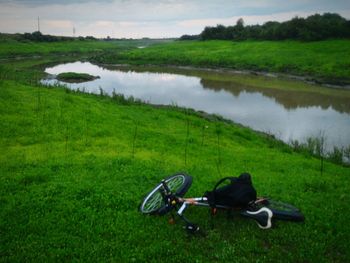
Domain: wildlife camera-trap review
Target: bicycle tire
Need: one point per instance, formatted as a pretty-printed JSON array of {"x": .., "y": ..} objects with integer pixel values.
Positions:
[
  {"x": 282, "y": 211},
  {"x": 153, "y": 202}
]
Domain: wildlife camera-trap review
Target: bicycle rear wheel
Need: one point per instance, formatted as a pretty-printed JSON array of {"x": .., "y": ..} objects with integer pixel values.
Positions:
[
  {"x": 281, "y": 210},
  {"x": 153, "y": 201}
]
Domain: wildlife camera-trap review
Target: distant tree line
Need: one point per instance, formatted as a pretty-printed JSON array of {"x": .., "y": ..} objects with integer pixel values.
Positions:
[
  {"x": 37, "y": 36},
  {"x": 313, "y": 28}
]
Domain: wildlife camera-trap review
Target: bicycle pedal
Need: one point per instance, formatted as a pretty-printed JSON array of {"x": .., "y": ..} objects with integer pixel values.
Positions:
[{"x": 192, "y": 228}]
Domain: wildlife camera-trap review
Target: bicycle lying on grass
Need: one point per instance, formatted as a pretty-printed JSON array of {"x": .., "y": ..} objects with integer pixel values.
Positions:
[{"x": 168, "y": 196}]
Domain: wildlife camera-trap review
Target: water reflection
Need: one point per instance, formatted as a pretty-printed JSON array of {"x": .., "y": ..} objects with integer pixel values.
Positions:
[
  {"x": 288, "y": 114},
  {"x": 290, "y": 99}
]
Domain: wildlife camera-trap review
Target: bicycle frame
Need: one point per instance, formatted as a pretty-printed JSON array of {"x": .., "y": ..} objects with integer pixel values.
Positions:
[
  {"x": 263, "y": 216},
  {"x": 161, "y": 200},
  {"x": 196, "y": 201}
]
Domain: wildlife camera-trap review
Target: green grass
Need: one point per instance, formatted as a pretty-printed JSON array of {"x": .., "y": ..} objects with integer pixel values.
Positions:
[
  {"x": 15, "y": 48},
  {"x": 74, "y": 167},
  {"x": 11, "y": 48},
  {"x": 326, "y": 61},
  {"x": 72, "y": 173},
  {"x": 74, "y": 77}
]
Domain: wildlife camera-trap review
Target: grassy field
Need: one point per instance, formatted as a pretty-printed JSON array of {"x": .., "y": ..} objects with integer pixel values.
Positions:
[
  {"x": 326, "y": 61},
  {"x": 74, "y": 167},
  {"x": 10, "y": 48},
  {"x": 15, "y": 48}
]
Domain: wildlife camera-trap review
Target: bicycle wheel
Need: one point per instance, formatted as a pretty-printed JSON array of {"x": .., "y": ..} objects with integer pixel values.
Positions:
[
  {"x": 281, "y": 211},
  {"x": 153, "y": 201}
]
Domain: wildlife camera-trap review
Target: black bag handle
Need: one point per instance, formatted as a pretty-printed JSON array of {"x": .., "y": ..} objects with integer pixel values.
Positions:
[
  {"x": 222, "y": 180},
  {"x": 213, "y": 201}
]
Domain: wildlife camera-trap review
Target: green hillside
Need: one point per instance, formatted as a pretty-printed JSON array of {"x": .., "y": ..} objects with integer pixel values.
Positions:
[{"x": 74, "y": 167}]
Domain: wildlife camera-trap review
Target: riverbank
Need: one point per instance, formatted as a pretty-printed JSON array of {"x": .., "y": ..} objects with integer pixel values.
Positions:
[
  {"x": 288, "y": 94},
  {"x": 74, "y": 167},
  {"x": 321, "y": 62},
  {"x": 261, "y": 103}
]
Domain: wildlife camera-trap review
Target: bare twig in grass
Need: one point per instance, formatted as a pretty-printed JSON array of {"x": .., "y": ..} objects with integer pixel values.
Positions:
[
  {"x": 347, "y": 154},
  {"x": 38, "y": 93},
  {"x": 134, "y": 141},
  {"x": 86, "y": 126},
  {"x": 218, "y": 160},
  {"x": 66, "y": 140},
  {"x": 218, "y": 168},
  {"x": 218, "y": 131},
  {"x": 186, "y": 142},
  {"x": 321, "y": 150},
  {"x": 203, "y": 133}
]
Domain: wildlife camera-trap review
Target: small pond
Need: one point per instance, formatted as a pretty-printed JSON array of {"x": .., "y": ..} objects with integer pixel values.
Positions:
[{"x": 289, "y": 114}]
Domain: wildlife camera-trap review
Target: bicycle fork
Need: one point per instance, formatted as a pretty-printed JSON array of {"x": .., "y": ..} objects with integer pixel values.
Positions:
[{"x": 199, "y": 201}]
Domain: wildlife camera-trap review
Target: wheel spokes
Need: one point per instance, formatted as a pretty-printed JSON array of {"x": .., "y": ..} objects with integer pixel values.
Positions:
[
  {"x": 155, "y": 199},
  {"x": 153, "y": 203},
  {"x": 175, "y": 183}
]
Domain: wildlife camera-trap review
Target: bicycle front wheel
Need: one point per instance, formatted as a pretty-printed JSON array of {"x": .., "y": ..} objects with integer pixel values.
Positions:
[{"x": 153, "y": 201}]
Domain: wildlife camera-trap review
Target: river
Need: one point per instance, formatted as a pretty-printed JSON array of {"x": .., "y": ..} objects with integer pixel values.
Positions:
[{"x": 262, "y": 103}]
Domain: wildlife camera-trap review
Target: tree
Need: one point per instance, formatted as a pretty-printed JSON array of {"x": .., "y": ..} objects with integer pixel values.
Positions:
[
  {"x": 240, "y": 24},
  {"x": 315, "y": 27}
]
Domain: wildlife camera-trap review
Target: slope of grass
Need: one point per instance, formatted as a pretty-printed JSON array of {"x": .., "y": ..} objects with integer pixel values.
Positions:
[
  {"x": 74, "y": 167},
  {"x": 15, "y": 48},
  {"x": 324, "y": 60},
  {"x": 10, "y": 48}
]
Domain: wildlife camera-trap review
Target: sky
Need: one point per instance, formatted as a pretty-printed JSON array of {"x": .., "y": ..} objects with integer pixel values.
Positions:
[{"x": 151, "y": 18}]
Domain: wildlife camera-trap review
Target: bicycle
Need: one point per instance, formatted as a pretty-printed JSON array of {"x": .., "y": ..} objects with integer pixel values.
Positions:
[{"x": 168, "y": 195}]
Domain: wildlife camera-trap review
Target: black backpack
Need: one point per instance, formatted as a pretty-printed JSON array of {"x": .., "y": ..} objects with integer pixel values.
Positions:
[{"x": 238, "y": 194}]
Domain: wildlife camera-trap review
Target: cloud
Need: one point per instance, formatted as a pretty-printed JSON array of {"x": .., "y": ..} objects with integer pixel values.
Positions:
[
  {"x": 195, "y": 26},
  {"x": 105, "y": 23},
  {"x": 61, "y": 24},
  {"x": 152, "y": 18}
]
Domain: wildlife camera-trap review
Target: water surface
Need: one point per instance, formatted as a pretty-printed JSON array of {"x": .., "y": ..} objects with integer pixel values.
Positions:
[{"x": 287, "y": 114}]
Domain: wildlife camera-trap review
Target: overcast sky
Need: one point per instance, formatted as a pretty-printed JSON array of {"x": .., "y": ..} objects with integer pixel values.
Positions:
[{"x": 152, "y": 18}]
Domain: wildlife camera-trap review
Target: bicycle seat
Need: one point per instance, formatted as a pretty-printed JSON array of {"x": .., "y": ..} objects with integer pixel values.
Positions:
[{"x": 263, "y": 217}]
